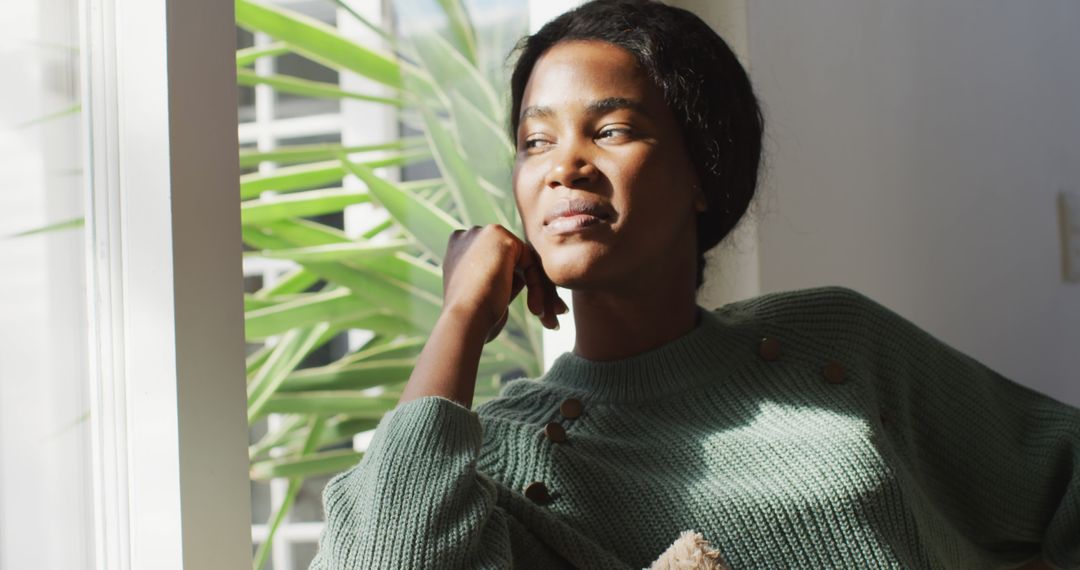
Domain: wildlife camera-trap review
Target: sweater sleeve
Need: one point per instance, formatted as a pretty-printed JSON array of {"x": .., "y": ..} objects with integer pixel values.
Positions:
[
  {"x": 415, "y": 500},
  {"x": 1000, "y": 460}
]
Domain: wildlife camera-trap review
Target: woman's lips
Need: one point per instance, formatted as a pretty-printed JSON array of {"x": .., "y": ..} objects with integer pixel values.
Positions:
[
  {"x": 571, "y": 223},
  {"x": 575, "y": 214}
]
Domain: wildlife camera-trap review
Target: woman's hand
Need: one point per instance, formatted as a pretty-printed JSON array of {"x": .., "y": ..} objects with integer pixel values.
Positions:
[
  {"x": 483, "y": 271},
  {"x": 485, "y": 268}
]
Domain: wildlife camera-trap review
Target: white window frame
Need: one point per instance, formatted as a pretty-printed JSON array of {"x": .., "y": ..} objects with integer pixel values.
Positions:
[{"x": 168, "y": 402}]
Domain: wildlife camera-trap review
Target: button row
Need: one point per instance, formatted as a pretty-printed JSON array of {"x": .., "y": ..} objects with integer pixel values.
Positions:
[{"x": 570, "y": 409}]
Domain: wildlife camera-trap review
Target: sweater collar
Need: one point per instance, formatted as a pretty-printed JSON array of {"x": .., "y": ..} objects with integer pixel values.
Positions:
[{"x": 705, "y": 353}]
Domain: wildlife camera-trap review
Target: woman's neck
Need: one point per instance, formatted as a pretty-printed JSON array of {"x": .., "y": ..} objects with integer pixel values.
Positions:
[{"x": 611, "y": 325}]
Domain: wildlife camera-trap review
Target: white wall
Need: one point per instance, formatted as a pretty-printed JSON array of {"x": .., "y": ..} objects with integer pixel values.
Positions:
[
  {"x": 732, "y": 270},
  {"x": 915, "y": 150}
]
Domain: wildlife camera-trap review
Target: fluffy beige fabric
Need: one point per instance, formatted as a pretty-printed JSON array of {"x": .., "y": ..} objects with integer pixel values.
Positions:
[{"x": 690, "y": 552}]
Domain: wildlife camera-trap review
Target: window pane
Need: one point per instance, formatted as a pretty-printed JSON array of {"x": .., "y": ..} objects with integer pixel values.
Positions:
[{"x": 45, "y": 476}]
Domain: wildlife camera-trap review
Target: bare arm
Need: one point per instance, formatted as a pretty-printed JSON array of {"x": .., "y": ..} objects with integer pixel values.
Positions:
[
  {"x": 483, "y": 271},
  {"x": 448, "y": 363}
]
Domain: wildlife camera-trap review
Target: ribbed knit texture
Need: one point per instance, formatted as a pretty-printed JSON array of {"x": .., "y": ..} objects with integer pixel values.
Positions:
[{"x": 921, "y": 458}]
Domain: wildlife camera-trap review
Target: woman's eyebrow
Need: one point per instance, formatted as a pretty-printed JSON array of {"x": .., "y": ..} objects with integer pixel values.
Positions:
[
  {"x": 598, "y": 107},
  {"x": 614, "y": 103}
]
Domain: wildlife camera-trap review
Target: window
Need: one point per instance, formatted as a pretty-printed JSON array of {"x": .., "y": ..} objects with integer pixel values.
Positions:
[
  {"x": 45, "y": 463},
  {"x": 122, "y": 320}
]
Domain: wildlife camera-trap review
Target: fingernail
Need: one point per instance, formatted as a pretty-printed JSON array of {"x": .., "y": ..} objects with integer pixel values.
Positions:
[
  {"x": 563, "y": 309},
  {"x": 556, "y": 326}
]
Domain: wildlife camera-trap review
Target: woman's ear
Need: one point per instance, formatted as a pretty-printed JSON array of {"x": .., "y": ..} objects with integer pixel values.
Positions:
[{"x": 701, "y": 203}]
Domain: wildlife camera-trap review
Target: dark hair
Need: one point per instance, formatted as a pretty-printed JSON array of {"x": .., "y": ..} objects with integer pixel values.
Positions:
[{"x": 703, "y": 84}]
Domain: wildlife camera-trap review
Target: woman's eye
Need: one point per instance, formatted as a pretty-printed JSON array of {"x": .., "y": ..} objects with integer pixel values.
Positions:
[
  {"x": 614, "y": 133},
  {"x": 533, "y": 143}
]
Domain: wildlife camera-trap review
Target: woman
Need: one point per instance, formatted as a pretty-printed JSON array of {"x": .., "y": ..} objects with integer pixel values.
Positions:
[{"x": 806, "y": 429}]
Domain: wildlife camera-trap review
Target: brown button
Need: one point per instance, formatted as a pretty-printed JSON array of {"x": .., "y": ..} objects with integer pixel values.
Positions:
[
  {"x": 834, "y": 372},
  {"x": 537, "y": 492},
  {"x": 769, "y": 349},
  {"x": 886, "y": 417},
  {"x": 555, "y": 432},
  {"x": 571, "y": 408}
]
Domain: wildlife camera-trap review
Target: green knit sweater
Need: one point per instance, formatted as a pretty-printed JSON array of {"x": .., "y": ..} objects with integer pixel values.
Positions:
[{"x": 806, "y": 429}]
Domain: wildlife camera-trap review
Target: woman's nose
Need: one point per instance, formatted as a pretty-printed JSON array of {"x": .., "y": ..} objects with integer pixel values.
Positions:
[{"x": 571, "y": 167}]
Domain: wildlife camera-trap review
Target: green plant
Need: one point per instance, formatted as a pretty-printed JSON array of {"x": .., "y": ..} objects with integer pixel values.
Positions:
[{"x": 387, "y": 281}]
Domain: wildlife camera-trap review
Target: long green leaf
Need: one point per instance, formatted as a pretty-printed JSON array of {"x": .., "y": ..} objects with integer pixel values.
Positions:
[
  {"x": 315, "y": 152},
  {"x": 314, "y": 434},
  {"x": 54, "y": 227},
  {"x": 487, "y": 147},
  {"x": 275, "y": 235},
  {"x": 476, "y": 204},
  {"x": 401, "y": 266},
  {"x": 409, "y": 288},
  {"x": 453, "y": 72},
  {"x": 462, "y": 28},
  {"x": 428, "y": 224},
  {"x": 256, "y": 359},
  {"x": 291, "y": 178},
  {"x": 288, "y": 353},
  {"x": 308, "y": 88},
  {"x": 356, "y": 404},
  {"x": 337, "y": 430},
  {"x": 355, "y": 251},
  {"x": 342, "y": 428},
  {"x": 381, "y": 323},
  {"x": 73, "y": 110},
  {"x": 299, "y": 204},
  {"x": 400, "y": 348},
  {"x": 358, "y": 376},
  {"x": 312, "y": 309},
  {"x": 285, "y": 434},
  {"x": 368, "y": 374},
  {"x": 405, "y": 300},
  {"x": 305, "y": 176},
  {"x": 248, "y": 56},
  {"x": 323, "y": 463},
  {"x": 317, "y": 41},
  {"x": 390, "y": 39},
  {"x": 296, "y": 281},
  {"x": 252, "y": 302}
]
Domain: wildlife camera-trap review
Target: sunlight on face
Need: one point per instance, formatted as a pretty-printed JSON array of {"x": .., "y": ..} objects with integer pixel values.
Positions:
[{"x": 602, "y": 179}]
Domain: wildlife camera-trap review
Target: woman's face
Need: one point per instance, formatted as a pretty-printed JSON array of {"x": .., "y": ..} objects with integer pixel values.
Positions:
[{"x": 603, "y": 183}]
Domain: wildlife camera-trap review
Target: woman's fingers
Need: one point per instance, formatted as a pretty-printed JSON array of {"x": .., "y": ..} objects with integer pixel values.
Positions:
[
  {"x": 551, "y": 308},
  {"x": 529, "y": 265},
  {"x": 541, "y": 296}
]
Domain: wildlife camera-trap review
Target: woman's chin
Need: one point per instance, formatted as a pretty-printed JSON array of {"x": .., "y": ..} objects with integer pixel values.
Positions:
[{"x": 572, "y": 270}]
